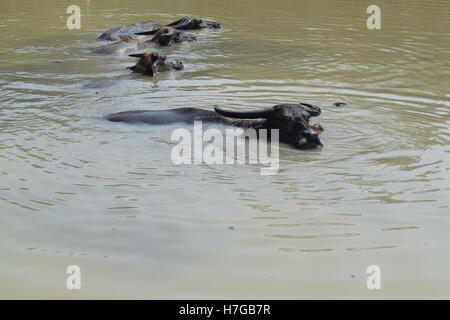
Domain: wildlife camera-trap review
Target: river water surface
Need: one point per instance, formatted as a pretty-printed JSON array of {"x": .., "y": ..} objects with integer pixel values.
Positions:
[{"x": 76, "y": 189}]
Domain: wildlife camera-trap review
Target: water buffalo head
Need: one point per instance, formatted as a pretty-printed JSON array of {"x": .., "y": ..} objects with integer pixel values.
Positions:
[
  {"x": 166, "y": 36},
  {"x": 193, "y": 23},
  {"x": 146, "y": 63},
  {"x": 292, "y": 120},
  {"x": 151, "y": 63}
]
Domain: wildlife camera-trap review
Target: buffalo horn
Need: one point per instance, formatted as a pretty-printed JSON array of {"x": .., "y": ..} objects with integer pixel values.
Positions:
[
  {"x": 254, "y": 114},
  {"x": 314, "y": 111}
]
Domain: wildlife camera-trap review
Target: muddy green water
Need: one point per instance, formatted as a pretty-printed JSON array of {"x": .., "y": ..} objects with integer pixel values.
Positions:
[{"x": 76, "y": 189}]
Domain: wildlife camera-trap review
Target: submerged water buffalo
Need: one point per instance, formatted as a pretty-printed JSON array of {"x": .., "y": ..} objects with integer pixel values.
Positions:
[
  {"x": 149, "y": 64},
  {"x": 185, "y": 23},
  {"x": 119, "y": 33},
  {"x": 152, "y": 63},
  {"x": 194, "y": 23},
  {"x": 164, "y": 36},
  {"x": 292, "y": 120}
]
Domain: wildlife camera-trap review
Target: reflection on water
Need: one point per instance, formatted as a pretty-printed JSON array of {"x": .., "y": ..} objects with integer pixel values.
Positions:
[{"x": 76, "y": 189}]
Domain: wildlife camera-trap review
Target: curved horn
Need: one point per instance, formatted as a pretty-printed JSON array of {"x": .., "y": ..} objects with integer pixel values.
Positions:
[
  {"x": 147, "y": 32},
  {"x": 136, "y": 55},
  {"x": 314, "y": 111},
  {"x": 254, "y": 114},
  {"x": 151, "y": 54},
  {"x": 175, "y": 22}
]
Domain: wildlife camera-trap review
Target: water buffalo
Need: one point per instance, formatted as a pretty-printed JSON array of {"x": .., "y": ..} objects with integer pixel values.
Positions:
[
  {"x": 164, "y": 36},
  {"x": 119, "y": 33},
  {"x": 185, "y": 23},
  {"x": 292, "y": 120},
  {"x": 149, "y": 64},
  {"x": 194, "y": 23},
  {"x": 152, "y": 63}
]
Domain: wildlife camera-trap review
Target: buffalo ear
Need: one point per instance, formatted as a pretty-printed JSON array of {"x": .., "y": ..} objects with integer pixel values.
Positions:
[
  {"x": 136, "y": 55},
  {"x": 314, "y": 111},
  {"x": 147, "y": 32}
]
